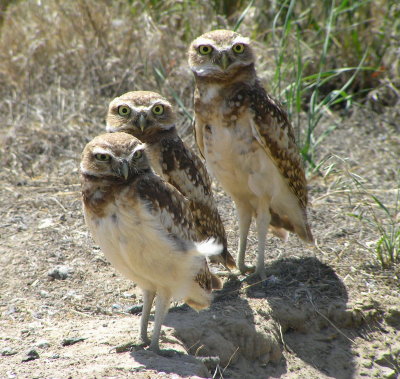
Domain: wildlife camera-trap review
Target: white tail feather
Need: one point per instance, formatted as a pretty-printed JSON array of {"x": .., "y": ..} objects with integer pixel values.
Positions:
[{"x": 209, "y": 247}]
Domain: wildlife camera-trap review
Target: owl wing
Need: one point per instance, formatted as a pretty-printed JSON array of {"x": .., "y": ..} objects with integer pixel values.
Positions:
[
  {"x": 198, "y": 136},
  {"x": 197, "y": 124},
  {"x": 273, "y": 130},
  {"x": 180, "y": 162},
  {"x": 175, "y": 216},
  {"x": 187, "y": 173},
  {"x": 169, "y": 205}
]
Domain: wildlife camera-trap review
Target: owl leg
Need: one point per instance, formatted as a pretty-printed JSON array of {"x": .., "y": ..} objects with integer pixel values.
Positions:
[
  {"x": 162, "y": 304},
  {"x": 244, "y": 216},
  {"x": 263, "y": 219},
  {"x": 148, "y": 297}
]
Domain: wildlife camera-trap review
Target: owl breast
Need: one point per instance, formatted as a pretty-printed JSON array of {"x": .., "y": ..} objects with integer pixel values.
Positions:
[
  {"x": 132, "y": 239},
  {"x": 239, "y": 162}
]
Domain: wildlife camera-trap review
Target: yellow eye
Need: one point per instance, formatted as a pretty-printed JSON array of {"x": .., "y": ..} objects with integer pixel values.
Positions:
[
  {"x": 205, "y": 49},
  {"x": 102, "y": 157},
  {"x": 238, "y": 48},
  {"x": 158, "y": 109},
  {"x": 123, "y": 110},
  {"x": 137, "y": 154}
]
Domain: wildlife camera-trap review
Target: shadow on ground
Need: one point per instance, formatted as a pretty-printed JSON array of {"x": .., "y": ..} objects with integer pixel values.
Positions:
[
  {"x": 252, "y": 328},
  {"x": 226, "y": 340},
  {"x": 309, "y": 302}
]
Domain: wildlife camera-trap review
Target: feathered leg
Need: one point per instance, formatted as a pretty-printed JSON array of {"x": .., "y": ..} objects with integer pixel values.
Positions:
[
  {"x": 263, "y": 219},
  {"x": 244, "y": 216},
  {"x": 162, "y": 304},
  {"x": 148, "y": 297}
]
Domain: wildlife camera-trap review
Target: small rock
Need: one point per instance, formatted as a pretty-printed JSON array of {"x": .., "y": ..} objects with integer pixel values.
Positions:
[
  {"x": 44, "y": 294},
  {"x": 71, "y": 341},
  {"x": 11, "y": 309},
  {"x": 43, "y": 344},
  {"x": 45, "y": 223},
  {"x": 388, "y": 373},
  {"x": 210, "y": 362},
  {"x": 385, "y": 359},
  {"x": 128, "y": 295},
  {"x": 116, "y": 307},
  {"x": 125, "y": 347},
  {"x": 392, "y": 317},
  {"x": 30, "y": 356},
  {"x": 60, "y": 272},
  {"x": 55, "y": 356},
  {"x": 7, "y": 352},
  {"x": 367, "y": 363},
  {"x": 135, "y": 309}
]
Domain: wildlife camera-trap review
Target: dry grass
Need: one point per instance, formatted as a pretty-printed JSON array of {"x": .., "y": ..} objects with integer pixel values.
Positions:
[{"x": 61, "y": 62}]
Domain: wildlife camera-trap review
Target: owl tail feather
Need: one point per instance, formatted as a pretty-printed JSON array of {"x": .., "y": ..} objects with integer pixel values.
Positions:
[{"x": 209, "y": 247}]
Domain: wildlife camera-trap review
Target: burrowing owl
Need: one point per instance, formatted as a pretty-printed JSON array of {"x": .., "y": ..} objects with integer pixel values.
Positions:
[
  {"x": 144, "y": 227},
  {"x": 247, "y": 140},
  {"x": 151, "y": 118}
]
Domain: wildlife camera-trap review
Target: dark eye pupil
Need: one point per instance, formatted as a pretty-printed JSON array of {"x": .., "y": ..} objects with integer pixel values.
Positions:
[{"x": 124, "y": 110}]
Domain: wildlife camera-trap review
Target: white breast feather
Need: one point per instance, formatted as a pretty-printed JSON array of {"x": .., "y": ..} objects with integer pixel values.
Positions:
[
  {"x": 137, "y": 246},
  {"x": 210, "y": 93},
  {"x": 247, "y": 174}
]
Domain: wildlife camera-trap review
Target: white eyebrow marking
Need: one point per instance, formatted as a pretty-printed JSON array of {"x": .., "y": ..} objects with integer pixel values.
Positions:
[
  {"x": 100, "y": 150},
  {"x": 203, "y": 41},
  {"x": 142, "y": 146},
  {"x": 240, "y": 39}
]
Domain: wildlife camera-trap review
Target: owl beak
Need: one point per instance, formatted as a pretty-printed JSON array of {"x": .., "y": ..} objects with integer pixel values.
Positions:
[
  {"x": 124, "y": 169},
  {"x": 142, "y": 122},
  {"x": 224, "y": 61}
]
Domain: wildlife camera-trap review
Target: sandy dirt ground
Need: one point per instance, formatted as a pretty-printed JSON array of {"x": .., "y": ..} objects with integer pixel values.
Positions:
[{"x": 326, "y": 311}]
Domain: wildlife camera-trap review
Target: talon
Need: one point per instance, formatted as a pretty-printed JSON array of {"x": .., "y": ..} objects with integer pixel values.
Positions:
[
  {"x": 144, "y": 342},
  {"x": 247, "y": 270}
]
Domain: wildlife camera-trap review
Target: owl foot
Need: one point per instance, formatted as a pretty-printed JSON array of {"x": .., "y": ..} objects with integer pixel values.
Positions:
[
  {"x": 246, "y": 269},
  {"x": 143, "y": 342},
  {"x": 163, "y": 353}
]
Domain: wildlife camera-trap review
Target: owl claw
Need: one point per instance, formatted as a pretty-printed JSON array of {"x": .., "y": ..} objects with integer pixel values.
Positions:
[{"x": 246, "y": 269}]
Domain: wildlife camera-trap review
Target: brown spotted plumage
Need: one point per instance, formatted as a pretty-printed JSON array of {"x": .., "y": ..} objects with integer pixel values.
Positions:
[
  {"x": 247, "y": 141},
  {"x": 145, "y": 227},
  {"x": 151, "y": 118}
]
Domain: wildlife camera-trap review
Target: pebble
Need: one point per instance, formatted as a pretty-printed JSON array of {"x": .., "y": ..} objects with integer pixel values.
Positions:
[
  {"x": 44, "y": 294},
  {"x": 388, "y": 373},
  {"x": 71, "y": 341},
  {"x": 30, "y": 356},
  {"x": 7, "y": 352},
  {"x": 60, "y": 272},
  {"x": 116, "y": 307},
  {"x": 210, "y": 362},
  {"x": 392, "y": 317},
  {"x": 11, "y": 309},
  {"x": 384, "y": 359},
  {"x": 128, "y": 295},
  {"x": 43, "y": 344},
  {"x": 135, "y": 309}
]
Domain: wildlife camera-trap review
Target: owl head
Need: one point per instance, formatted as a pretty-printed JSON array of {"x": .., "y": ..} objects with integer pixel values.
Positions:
[
  {"x": 140, "y": 113},
  {"x": 114, "y": 156},
  {"x": 220, "y": 54}
]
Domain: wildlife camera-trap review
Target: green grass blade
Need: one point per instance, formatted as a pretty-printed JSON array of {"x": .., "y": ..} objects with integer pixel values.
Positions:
[{"x": 242, "y": 16}]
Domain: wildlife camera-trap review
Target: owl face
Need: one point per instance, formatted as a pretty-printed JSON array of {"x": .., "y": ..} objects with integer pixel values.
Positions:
[
  {"x": 140, "y": 113},
  {"x": 117, "y": 156},
  {"x": 220, "y": 53}
]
